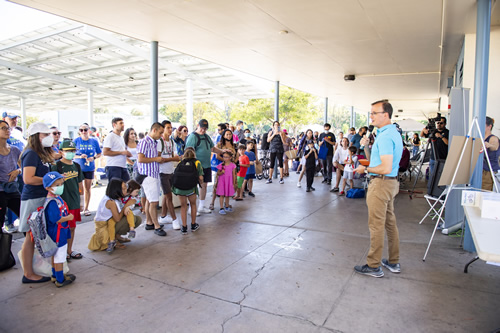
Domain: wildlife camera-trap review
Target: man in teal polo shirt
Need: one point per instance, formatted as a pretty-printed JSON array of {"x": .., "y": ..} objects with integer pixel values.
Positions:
[{"x": 383, "y": 172}]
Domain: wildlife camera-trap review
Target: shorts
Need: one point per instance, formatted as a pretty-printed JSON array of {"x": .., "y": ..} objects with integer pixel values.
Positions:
[
  {"x": 166, "y": 180},
  {"x": 240, "y": 181},
  {"x": 207, "y": 175},
  {"x": 28, "y": 207},
  {"x": 348, "y": 175},
  {"x": 76, "y": 217},
  {"x": 303, "y": 161},
  {"x": 60, "y": 256},
  {"x": 250, "y": 176},
  {"x": 88, "y": 174},
  {"x": 151, "y": 187}
]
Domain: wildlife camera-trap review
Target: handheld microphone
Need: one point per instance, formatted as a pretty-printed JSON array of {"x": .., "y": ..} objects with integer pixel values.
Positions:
[{"x": 368, "y": 133}]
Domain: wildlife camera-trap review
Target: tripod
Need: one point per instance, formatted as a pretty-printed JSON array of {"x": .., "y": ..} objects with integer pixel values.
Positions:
[{"x": 429, "y": 143}]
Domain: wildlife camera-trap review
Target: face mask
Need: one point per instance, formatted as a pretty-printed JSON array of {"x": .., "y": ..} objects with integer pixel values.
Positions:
[
  {"x": 69, "y": 155},
  {"x": 326, "y": 131},
  {"x": 47, "y": 141},
  {"x": 247, "y": 135},
  {"x": 58, "y": 190}
]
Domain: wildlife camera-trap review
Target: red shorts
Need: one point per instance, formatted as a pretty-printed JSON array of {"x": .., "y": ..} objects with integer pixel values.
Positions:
[{"x": 76, "y": 217}]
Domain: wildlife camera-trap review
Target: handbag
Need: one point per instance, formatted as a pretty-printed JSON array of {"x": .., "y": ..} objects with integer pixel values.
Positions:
[
  {"x": 291, "y": 154},
  {"x": 214, "y": 162},
  {"x": 258, "y": 167},
  {"x": 11, "y": 187},
  {"x": 7, "y": 259},
  {"x": 323, "y": 151}
]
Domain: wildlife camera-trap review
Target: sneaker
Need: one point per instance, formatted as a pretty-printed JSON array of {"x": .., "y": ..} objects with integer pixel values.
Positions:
[
  {"x": 324, "y": 181},
  {"x": 312, "y": 188},
  {"x": 298, "y": 172},
  {"x": 269, "y": 181},
  {"x": 9, "y": 228},
  {"x": 160, "y": 232},
  {"x": 341, "y": 193},
  {"x": 195, "y": 227},
  {"x": 131, "y": 234},
  {"x": 299, "y": 185},
  {"x": 175, "y": 224},
  {"x": 329, "y": 183},
  {"x": 64, "y": 283},
  {"x": 394, "y": 268},
  {"x": 149, "y": 227},
  {"x": 229, "y": 209},
  {"x": 251, "y": 194},
  {"x": 204, "y": 210},
  {"x": 282, "y": 181},
  {"x": 335, "y": 189},
  {"x": 308, "y": 189},
  {"x": 66, "y": 277},
  {"x": 111, "y": 247},
  {"x": 165, "y": 219},
  {"x": 189, "y": 212},
  {"x": 184, "y": 230},
  {"x": 367, "y": 270},
  {"x": 222, "y": 211}
]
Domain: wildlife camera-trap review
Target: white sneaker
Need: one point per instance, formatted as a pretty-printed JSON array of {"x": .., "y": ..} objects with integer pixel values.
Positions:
[
  {"x": 299, "y": 184},
  {"x": 204, "y": 210},
  {"x": 189, "y": 211},
  {"x": 165, "y": 220},
  {"x": 175, "y": 224}
]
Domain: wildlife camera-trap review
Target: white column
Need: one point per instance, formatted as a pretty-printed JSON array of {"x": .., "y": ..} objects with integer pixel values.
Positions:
[
  {"x": 189, "y": 105},
  {"x": 90, "y": 102},
  {"x": 23, "y": 113}
]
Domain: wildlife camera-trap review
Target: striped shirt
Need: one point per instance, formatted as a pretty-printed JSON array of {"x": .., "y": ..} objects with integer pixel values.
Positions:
[{"x": 148, "y": 147}]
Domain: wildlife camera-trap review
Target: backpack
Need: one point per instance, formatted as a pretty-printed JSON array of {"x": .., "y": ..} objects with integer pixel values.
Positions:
[
  {"x": 38, "y": 225},
  {"x": 355, "y": 193},
  {"x": 186, "y": 174},
  {"x": 198, "y": 140},
  {"x": 264, "y": 145}
]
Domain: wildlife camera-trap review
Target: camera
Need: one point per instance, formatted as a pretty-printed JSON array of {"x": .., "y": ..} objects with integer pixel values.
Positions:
[{"x": 431, "y": 125}]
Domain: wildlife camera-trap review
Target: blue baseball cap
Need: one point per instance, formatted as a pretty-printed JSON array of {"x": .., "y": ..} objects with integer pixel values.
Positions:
[
  {"x": 10, "y": 115},
  {"x": 50, "y": 178}
]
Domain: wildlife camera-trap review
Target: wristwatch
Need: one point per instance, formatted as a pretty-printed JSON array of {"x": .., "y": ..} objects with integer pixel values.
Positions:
[{"x": 366, "y": 169}]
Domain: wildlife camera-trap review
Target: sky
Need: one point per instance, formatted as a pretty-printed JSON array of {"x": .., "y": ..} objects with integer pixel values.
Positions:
[{"x": 16, "y": 19}]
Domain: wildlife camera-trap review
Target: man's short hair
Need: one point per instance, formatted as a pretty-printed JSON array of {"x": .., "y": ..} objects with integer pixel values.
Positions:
[
  {"x": 443, "y": 119},
  {"x": 386, "y": 106},
  {"x": 115, "y": 120},
  {"x": 222, "y": 126},
  {"x": 327, "y": 125},
  {"x": 242, "y": 147},
  {"x": 353, "y": 129},
  {"x": 239, "y": 122},
  {"x": 166, "y": 122},
  {"x": 246, "y": 130},
  {"x": 156, "y": 125},
  {"x": 353, "y": 149}
]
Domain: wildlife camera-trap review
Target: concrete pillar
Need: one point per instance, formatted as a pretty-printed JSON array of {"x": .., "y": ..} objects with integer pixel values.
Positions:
[
  {"x": 154, "y": 82},
  {"x": 480, "y": 93},
  {"x": 277, "y": 101},
  {"x": 22, "y": 103},
  {"x": 352, "y": 122},
  {"x": 189, "y": 106},
  {"x": 326, "y": 111},
  {"x": 90, "y": 107}
]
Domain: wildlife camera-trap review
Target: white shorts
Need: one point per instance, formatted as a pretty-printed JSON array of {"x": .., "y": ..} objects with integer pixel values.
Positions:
[
  {"x": 303, "y": 161},
  {"x": 151, "y": 188},
  {"x": 60, "y": 256}
]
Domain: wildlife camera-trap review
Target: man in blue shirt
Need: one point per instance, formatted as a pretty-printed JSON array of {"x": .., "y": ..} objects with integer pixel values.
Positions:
[
  {"x": 383, "y": 172},
  {"x": 356, "y": 139}
]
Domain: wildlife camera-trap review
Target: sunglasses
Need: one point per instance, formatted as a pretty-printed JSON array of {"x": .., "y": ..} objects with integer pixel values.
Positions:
[
  {"x": 185, "y": 131},
  {"x": 440, "y": 123},
  {"x": 84, "y": 129},
  {"x": 56, "y": 133}
]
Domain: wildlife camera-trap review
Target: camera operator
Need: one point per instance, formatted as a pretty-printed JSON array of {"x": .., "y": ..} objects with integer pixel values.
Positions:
[{"x": 439, "y": 139}]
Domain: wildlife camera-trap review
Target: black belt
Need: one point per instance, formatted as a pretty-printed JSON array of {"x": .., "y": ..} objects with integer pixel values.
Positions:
[{"x": 382, "y": 176}]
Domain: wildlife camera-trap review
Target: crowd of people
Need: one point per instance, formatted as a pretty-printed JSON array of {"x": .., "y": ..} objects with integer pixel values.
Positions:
[{"x": 144, "y": 168}]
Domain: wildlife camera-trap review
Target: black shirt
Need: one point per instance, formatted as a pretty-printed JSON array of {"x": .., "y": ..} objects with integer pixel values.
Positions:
[
  {"x": 331, "y": 137},
  {"x": 440, "y": 146},
  {"x": 311, "y": 160}
]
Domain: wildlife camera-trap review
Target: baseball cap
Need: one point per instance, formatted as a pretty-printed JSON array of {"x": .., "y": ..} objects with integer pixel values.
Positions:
[
  {"x": 10, "y": 115},
  {"x": 50, "y": 178},
  {"x": 67, "y": 145},
  {"x": 38, "y": 128},
  {"x": 203, "y": 123},
  {"x": 284, "y": 131}
]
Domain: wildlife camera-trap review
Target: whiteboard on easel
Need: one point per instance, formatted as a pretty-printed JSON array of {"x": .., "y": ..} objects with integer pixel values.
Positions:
[{"x": 466, "y": 167}]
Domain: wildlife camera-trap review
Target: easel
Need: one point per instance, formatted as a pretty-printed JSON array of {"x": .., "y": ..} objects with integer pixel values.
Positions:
[{"x": 471, "y": 169}]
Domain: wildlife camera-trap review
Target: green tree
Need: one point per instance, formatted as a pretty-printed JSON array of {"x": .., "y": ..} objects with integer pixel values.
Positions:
[
  {"x": 339, "y": 118},
  {"x": 30, "y": 120},
  {"x": 136, "y": 112},
  {"x": 101, "y": 110}
]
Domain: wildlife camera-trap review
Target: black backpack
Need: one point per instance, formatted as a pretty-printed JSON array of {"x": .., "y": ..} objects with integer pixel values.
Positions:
[
  {"x": 186, "y": 174},
  {"x": 264, "y": 145}
]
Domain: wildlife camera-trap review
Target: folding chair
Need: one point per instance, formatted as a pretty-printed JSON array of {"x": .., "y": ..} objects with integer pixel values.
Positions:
[{"x": 433, "y": 211}]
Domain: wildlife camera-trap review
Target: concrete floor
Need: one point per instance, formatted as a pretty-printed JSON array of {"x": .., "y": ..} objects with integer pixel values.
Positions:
[{"x": 281, "y": 262}]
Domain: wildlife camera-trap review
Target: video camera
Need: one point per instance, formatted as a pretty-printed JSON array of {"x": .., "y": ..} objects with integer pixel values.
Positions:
[{"x": 431, "y": 125}]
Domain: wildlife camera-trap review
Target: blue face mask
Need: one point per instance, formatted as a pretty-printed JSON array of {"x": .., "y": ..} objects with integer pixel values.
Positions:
[
  {"x": 58, "y": 190},
  {"x": 247, "y": 135}
]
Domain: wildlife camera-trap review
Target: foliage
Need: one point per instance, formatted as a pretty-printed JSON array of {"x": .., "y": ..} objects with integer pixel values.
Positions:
[
  {"x": 30, "y": 120},
  {"x": 340, "y": 118},
  {"x": 136, "y": 112},
  {"x": 101, "y": 110}
]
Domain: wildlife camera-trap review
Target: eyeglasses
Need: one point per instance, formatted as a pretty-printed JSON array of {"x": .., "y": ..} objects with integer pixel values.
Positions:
[
  {"x": 84, "y": 129},
  {"x": 374, "y": 113},
  {"x": 440, "y": 123},
  {"x": 5, "y": 128},
  {"x": 56, "y": 133}
]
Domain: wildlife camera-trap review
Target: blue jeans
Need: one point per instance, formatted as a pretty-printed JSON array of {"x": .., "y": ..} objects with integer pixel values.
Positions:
[
  {"x": 415, "y": 150},
  {"x": 432, "y": 164},
  {"x": 117, "y": 172}
]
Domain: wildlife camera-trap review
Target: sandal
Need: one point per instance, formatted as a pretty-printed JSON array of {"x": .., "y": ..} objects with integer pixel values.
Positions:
[
  {"x": 211, "y": 207},
  {"x": 75, "y": 255},
  {"x": 86, "y": 212},
  {"x": 119, "y": 245}
]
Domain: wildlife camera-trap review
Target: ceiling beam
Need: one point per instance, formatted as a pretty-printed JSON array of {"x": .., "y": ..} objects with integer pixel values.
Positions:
[
  {"x": 41, "y": 36},
  {"x": 62, "y": 79},
  {"x": 144, "y": 55},
  {"x": 29, "y": 97}
]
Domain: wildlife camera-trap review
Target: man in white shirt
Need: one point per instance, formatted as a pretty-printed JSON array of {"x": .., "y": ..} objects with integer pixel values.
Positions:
[
  {"x": 166, "y": 149},
  {"x": 116, "y": 153}
]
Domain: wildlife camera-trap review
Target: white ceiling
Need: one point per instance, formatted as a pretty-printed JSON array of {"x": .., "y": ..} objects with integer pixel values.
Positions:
[{"x": 392, "y": 46}]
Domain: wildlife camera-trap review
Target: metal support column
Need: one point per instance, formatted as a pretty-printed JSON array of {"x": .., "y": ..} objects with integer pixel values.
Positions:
[
  {"x": 276, "y": 118},
  {"x": 368, "y": 119},
  {"x": 90, "y": 107},
  {"x": 154, "y": 82},
  {"x": 480, "y": 92},
  {"x": 352, "y": 122},
  {"x": 22, "y": 103},
  {"x": 189, "y": 105},
  {"x": 326, "y": 110}
]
